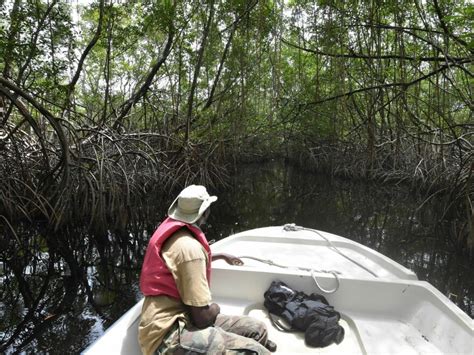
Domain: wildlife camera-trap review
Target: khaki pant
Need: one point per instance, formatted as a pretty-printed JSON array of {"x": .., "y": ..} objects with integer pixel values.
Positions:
[{"x": 229, "y": 335}]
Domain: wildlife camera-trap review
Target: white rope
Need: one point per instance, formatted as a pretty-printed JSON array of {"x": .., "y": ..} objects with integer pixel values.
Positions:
[
  {"x": 291, "y": 227},
  {"x": 311, "y": 271},
  {"x": 324, "y": 289}
]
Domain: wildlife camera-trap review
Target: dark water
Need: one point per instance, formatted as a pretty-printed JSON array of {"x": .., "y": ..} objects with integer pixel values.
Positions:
[{"x": 387, "y": 219}]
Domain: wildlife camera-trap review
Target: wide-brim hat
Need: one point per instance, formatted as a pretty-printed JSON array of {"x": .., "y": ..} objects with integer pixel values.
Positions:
[{"x": 190, "y": 204}]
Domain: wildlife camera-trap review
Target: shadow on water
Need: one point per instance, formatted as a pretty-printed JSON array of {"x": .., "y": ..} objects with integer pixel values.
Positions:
[{"x": 71, "y": 313}]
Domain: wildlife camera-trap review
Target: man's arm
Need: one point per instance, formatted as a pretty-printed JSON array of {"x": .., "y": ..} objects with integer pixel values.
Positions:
[
  {"x": 229, "y": 259},
  {"x": 204, "y": 317},
  {"x": 186, "y": 259}
]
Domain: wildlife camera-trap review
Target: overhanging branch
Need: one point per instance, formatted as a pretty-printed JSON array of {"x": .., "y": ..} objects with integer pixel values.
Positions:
[
  {"x": 126, "y": 107},
  {"x": 388, "y": 85},
  {"x": 374, "y": 57}
]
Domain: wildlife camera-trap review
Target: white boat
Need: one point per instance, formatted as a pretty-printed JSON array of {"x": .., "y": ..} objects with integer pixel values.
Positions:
[{"x": 384, "y": 308}]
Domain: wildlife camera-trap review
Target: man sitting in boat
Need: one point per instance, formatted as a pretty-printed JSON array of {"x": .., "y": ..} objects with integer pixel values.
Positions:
[{"x": 178, "y": 315}]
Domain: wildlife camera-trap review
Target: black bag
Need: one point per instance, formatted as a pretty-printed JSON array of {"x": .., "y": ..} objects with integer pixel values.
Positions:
[{"x": 311, "y": 314}]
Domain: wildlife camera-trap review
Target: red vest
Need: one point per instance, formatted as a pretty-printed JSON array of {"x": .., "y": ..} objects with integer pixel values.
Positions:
[{"x": 155, "y": 278}]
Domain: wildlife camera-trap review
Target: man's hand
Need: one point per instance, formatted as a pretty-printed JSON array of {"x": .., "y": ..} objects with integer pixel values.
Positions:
[
  {"x": 204, "y": 317},
  {"x": 229, "y": 259}
]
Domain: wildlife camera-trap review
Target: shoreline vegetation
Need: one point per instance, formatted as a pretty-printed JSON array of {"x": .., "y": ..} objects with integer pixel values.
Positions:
[{"x": 107, "y": 106}]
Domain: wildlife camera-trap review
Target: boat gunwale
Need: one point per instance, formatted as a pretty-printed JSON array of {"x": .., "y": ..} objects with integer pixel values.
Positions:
[{"x": 256, "y": 235}]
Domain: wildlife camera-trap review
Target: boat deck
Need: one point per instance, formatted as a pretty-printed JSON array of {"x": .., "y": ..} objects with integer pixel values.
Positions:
[
  {"x": 379, "y": 317},
  {"x": 404, "y": 339},
  {"x": 293, "y": 343}
]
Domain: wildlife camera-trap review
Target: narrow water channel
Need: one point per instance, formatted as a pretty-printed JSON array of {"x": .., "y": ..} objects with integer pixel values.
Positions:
[{"x": 388, "y": 219}]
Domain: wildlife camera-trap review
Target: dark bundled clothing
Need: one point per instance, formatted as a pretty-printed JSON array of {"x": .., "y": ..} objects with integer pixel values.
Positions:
[{"x": 311, "y": 314}]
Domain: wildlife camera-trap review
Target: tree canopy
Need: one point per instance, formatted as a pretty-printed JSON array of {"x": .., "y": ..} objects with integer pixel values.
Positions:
[{"x": 104, "y": 96}]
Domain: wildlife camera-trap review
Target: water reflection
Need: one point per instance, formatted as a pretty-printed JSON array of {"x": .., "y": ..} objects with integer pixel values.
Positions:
[{"x": 60, "y": 305}]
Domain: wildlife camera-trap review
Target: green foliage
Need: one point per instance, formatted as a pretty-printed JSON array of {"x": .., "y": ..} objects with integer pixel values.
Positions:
[{"x": 246, "y": 76}]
